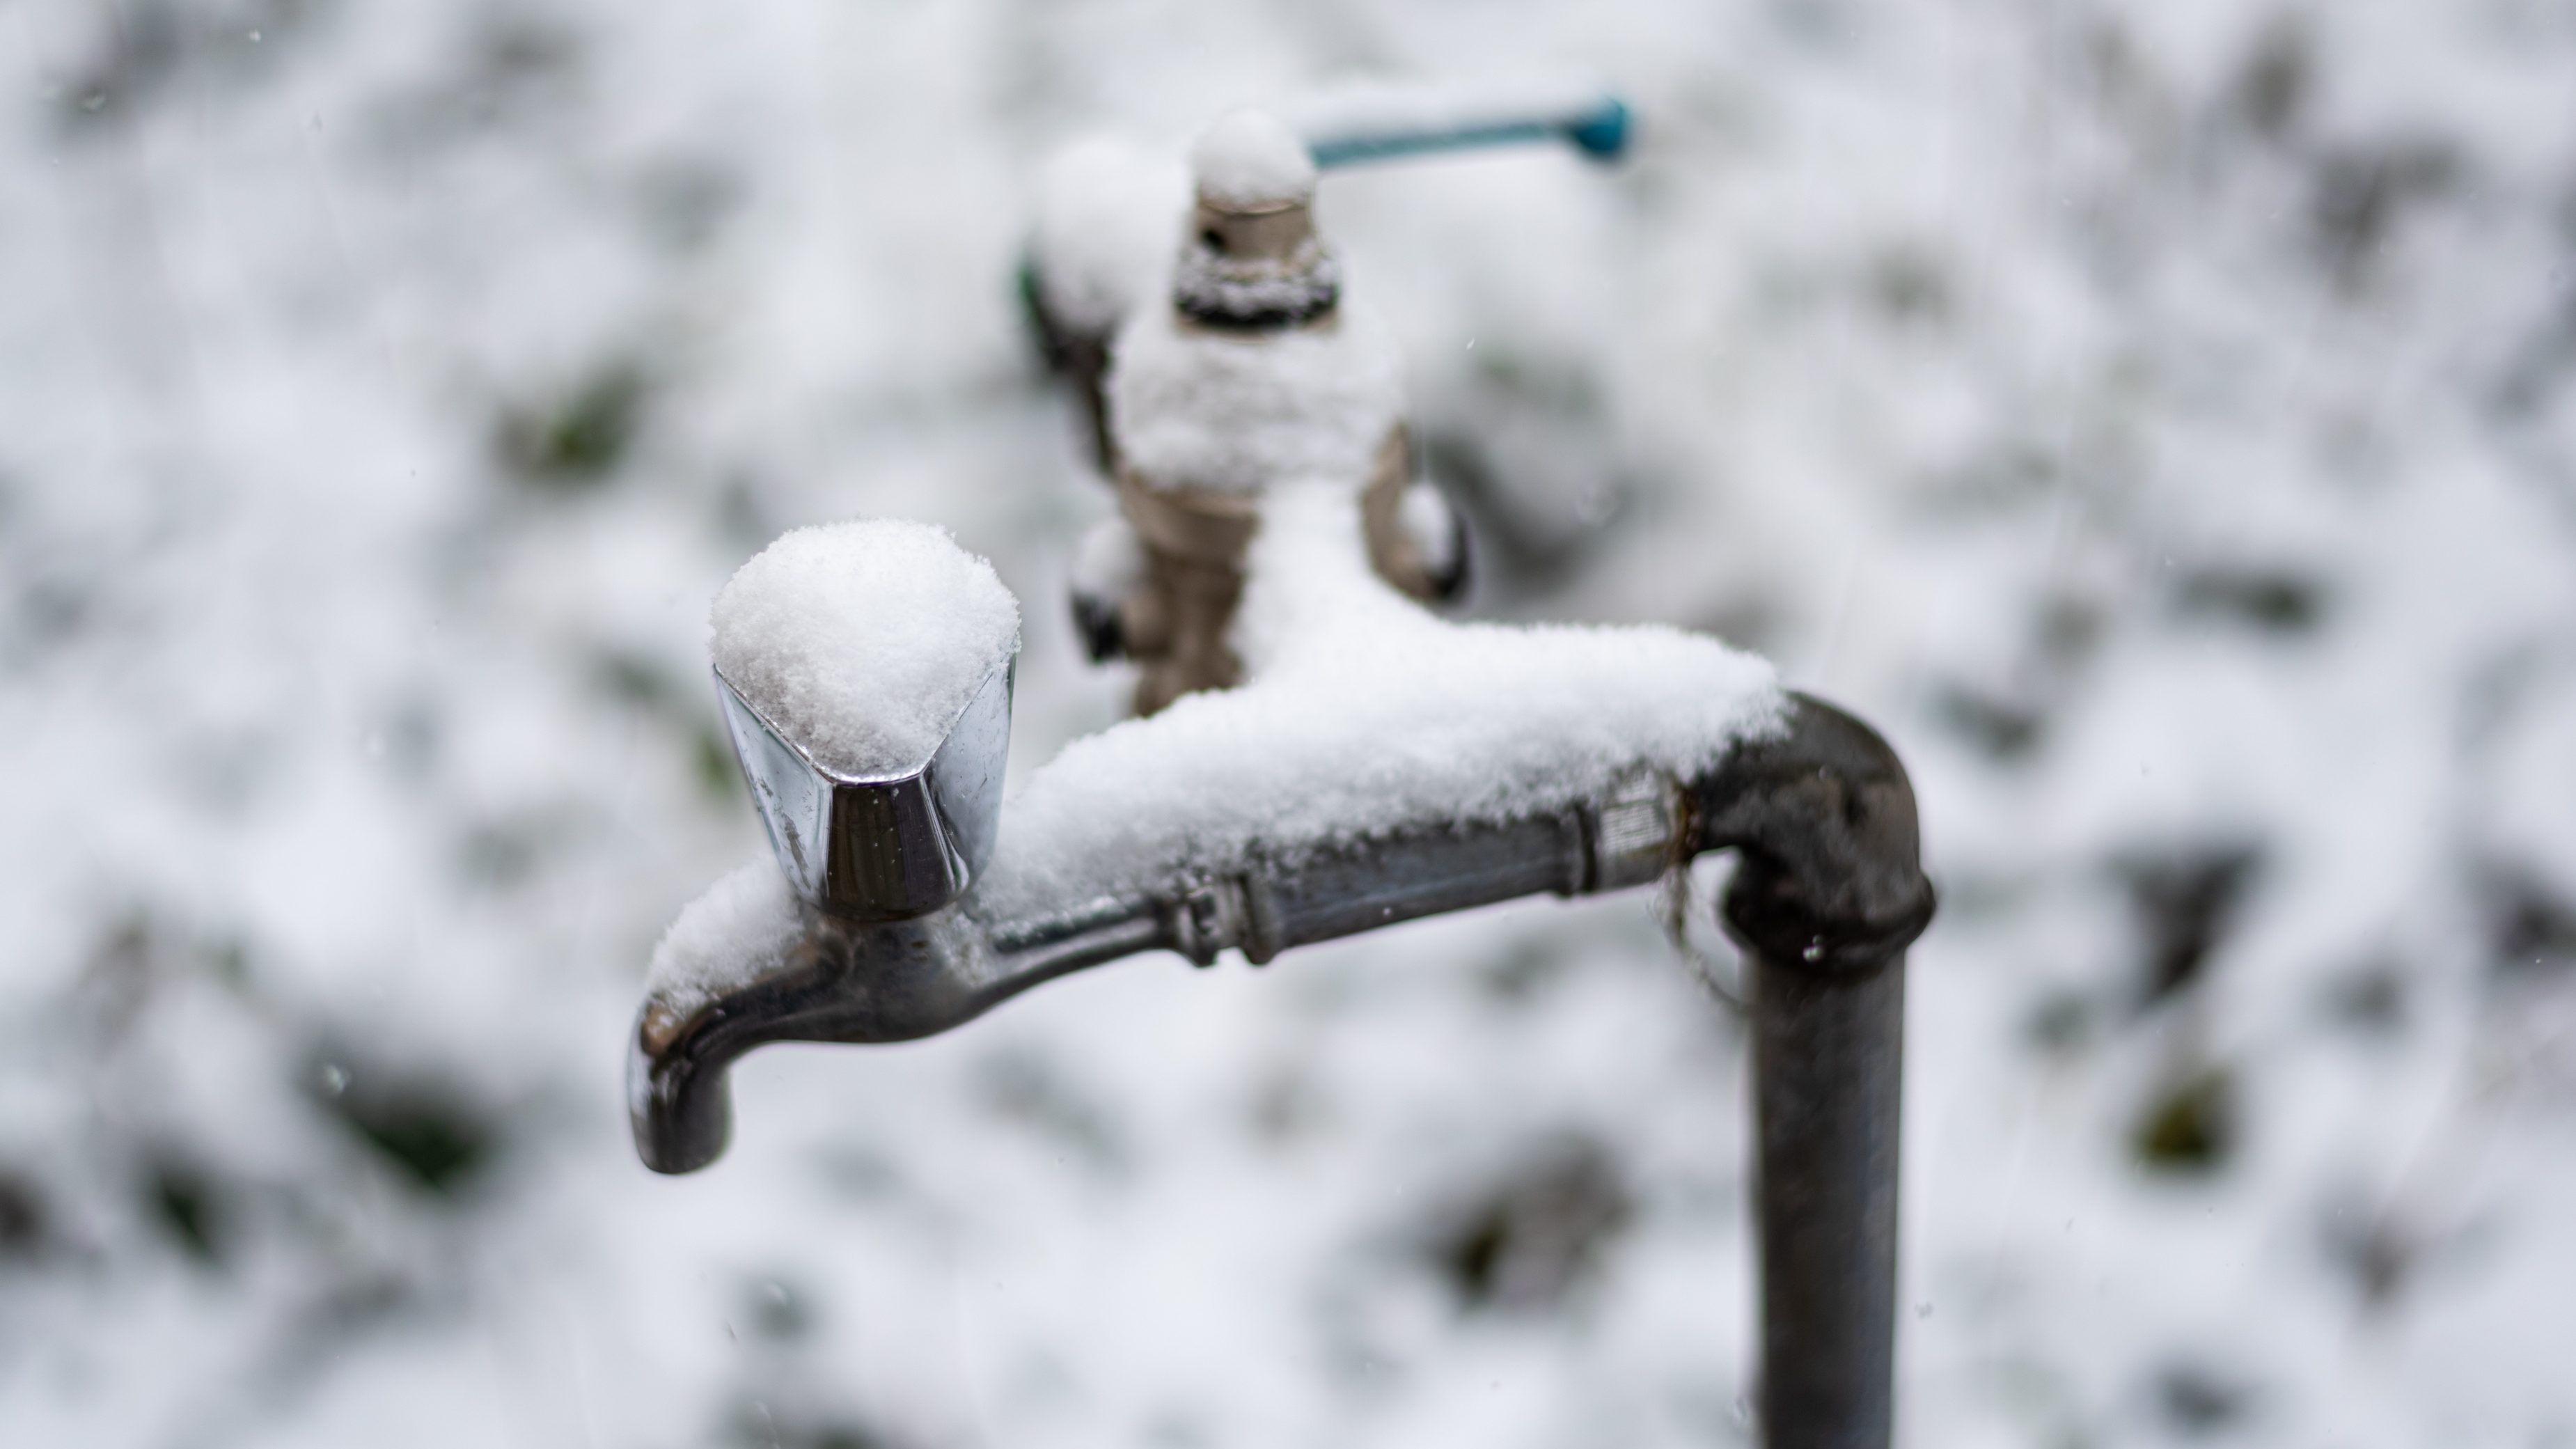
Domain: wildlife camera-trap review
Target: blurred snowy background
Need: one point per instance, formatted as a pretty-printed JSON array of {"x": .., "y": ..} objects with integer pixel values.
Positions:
[{"x": 2160, "y": 419}]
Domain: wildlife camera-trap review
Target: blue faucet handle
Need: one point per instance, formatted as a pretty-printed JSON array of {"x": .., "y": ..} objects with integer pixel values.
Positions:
[{"x": 1598, "y": 127}]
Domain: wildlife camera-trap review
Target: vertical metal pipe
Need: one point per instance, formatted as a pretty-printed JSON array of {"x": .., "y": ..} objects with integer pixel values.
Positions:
[
  {"x": 1828, "y": 894},
  {"x": 1828, "y": 1070}
]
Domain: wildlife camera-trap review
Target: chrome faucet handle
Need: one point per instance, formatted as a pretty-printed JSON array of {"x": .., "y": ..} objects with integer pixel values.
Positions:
[
  {"x": 883, "y": 847},
  {"x": 865, "y": 674}
]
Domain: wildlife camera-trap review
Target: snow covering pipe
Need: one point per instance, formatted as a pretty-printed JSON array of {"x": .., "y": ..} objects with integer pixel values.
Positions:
[{"x": 1828, "y": 894}]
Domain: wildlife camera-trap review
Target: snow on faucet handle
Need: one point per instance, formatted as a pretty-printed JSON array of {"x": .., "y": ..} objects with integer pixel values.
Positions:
[{"x": 865, "y": 673}]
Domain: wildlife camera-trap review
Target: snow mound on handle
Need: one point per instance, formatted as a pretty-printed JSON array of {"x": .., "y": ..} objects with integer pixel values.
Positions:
[
  {"x": 862, "y": 642},
  {"x": 1200, "y": 408},
  {"x": 1364, "y": 714},
  {"x": 1251, "y": 160},
  {"x": 738, "y": 931}
]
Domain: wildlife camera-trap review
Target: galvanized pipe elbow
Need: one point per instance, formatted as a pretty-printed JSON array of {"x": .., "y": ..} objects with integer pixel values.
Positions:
[{"x": 1824, "y": 817}]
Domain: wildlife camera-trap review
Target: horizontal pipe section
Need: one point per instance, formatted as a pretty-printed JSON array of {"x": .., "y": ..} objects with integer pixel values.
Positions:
[
  {"x": 1349, "y": 889},
  {"x": 894, "y": 981}
]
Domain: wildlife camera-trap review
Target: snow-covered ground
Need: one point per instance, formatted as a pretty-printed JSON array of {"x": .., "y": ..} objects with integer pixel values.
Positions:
[{"x": 2161, "y": 420}]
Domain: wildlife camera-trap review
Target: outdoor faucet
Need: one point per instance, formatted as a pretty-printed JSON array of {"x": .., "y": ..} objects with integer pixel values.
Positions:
[
  {"x": 1380, "y": 765},
  {"x": 1360, "y": 763}
]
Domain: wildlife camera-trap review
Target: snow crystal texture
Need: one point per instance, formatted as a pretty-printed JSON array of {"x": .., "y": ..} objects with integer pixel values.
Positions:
[
  {"x": 741, "y": 929},
  {"x": 862, "y": 642}
]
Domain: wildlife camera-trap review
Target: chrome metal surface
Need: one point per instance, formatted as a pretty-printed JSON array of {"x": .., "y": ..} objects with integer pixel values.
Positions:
[{"x": 885, "y": 847}]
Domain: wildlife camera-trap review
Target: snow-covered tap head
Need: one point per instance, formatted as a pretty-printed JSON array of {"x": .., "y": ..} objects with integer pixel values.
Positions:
[
  {"x": 865, "y": 671},
  {"x": 1252, "y": 259}
]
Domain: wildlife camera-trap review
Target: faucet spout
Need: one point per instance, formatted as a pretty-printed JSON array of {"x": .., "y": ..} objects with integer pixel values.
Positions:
[
  {"x": 838, "y": 980},
  {"x": 846, "y": 981}
]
